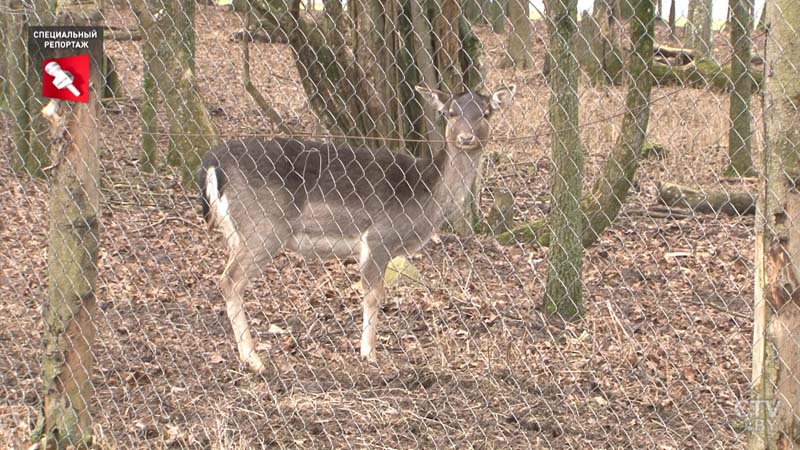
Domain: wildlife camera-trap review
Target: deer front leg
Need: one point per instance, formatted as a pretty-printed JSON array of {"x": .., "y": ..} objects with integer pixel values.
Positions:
[
  {"x": 373, "y": 265},
  {"x": 372, "y": 303},
  {"x": 233, "y": 283}
]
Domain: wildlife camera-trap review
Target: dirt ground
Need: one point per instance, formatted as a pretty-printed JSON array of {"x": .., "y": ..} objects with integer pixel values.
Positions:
[{"x": 467, "y": 360}]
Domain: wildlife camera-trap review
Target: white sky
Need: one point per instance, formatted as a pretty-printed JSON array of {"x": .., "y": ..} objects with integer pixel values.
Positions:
[{"x": 719, "y": 13}]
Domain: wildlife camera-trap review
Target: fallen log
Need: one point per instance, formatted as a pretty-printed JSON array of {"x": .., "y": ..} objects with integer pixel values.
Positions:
[
  {"x": 700, "y": 73},
  {"x": 675, "y": 56},
  {"x": 706, "y": 201},
  {"x": 121, "y": 34}
]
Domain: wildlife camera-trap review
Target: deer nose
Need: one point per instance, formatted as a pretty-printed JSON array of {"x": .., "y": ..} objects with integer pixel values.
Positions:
[{"x": 466, "y": 139}]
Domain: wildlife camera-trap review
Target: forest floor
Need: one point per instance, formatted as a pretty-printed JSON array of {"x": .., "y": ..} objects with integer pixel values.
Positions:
[{"x": 467, "y": 360}]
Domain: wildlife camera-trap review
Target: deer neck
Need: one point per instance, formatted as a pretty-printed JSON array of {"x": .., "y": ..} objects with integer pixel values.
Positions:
[{"x": 455, "y": 171}]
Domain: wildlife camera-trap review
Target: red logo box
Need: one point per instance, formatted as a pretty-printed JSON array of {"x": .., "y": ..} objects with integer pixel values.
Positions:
[{"x": 78, "y": 67}]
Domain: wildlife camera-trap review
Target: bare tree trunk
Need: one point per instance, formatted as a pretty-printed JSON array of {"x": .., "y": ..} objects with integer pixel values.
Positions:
[
  {"x": 775, "y": 394},
  {"x": 603, "y": 203},
  {"x": 149, "y": 112},
  {"x": 562, "y": 294},
  {"x": 740, "y": 133},
  {"x": 520, "y": 37},
  {"x": 611, "y": 190},
  {"x": 5, "y": 40},
  {"x": 191, "y": 131},
  {"x": 423, "y": 53},
  {"x": 699, "y": 27},
  {"x": 18, "y": 89},
  {"x": 602, "y": 61},
  {"x": 671, "y": 20},
  {"x": 149, "y": 117},
  {"x": 168, "y": 53},
  {"x": 372, "y": 21},
  {"x": 497, "y": 15},
  {"x": 69, "y": 330},
  {"x": 38, "y": 127}
]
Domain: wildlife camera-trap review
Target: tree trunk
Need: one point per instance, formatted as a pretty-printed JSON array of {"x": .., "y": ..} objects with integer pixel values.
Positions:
[
  {"x": 168, "y": 52},
  {"x": 423, "y": 54},
  {"x": 699, "y": 27},
  {"x": 609, "y": 192},
  {"x": 38, "y": 127},
  {"x": 497, "y": 15},
  {"x": 191, "y": 132},
  {"x": 599, "y": 47},
  {"x": 671, "y": 20},
  {"x": 150, "y": 65},
  {"x": 740, "y": 133},
  {"x": 149, "y": 115},
  {"x": 775, "y": 394},
  {"x": 562, "y": 294},
  {"x": 18, "y": 90},
  {"x": 473, "y": 11},
  {"x": 520, "y": 37},
  {"x": 69, "y": 330},
  {"x": 5, "y": 40}
]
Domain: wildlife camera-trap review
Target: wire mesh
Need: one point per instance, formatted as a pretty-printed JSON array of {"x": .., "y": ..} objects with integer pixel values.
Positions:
[{"x": 466, "y": 355}]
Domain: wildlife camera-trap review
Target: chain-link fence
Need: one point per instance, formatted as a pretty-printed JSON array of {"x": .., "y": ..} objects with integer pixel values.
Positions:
[{"x": 465, "y": 354}]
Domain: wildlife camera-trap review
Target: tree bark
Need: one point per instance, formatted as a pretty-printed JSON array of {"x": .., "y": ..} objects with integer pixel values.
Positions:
[
  {"x": 600, "y": 48},
  {"x": 671, "y": 20},
  {"x": 740, "y": 133},
  {"x": 191, "y": 132},
  {"x": 38, "y": 127},
  {"x": 69, "y": 330},
  {"x": 423, "y": 54},
  {"x": 611, "y": 189},
  {"x": 520, "y": 37},
  {"x": 705, "y": 201},
  {"x": 497, "y": 16},
  {"x": 775, "y": 392},
  {"x": 608, "y": 194},
  {"x": 168, "y": 52},
  {"x": 699, "y": 27},
  {"x": 18, "y": 90},
  {"x": 563, "y": 288},
  {"x": 5, "y": 40},
  {"x": 152, "y": 72}
]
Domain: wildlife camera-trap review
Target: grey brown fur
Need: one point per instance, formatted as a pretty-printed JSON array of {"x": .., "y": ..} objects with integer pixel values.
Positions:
[{"x": 323, "y": 201}]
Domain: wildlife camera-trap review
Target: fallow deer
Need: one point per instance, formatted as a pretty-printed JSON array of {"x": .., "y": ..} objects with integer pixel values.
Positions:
[{"x": 324, "y": 200}]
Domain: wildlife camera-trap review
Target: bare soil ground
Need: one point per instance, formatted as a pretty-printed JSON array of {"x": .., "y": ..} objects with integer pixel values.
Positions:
[{"x": 467, "y": 360}]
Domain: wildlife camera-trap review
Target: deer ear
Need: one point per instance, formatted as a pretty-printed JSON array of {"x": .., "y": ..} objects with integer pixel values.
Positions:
[
  {"x": 503, "y": 97},
  {"x": 435, "y": 97}
]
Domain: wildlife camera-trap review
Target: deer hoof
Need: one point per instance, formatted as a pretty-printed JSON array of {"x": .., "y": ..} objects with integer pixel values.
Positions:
[
  {"x": 255, "y": 364},
  {"x": 369, "y": 354}
]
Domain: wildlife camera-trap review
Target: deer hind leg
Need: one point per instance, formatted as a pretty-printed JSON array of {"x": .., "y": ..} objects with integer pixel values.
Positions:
[
  {"x": 373, "y": 267},
  {"x": 234, "y": 280}
]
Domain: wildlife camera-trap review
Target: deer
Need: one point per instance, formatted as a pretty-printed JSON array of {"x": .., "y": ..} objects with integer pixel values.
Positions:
[{"x": 323, "y": 201}]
